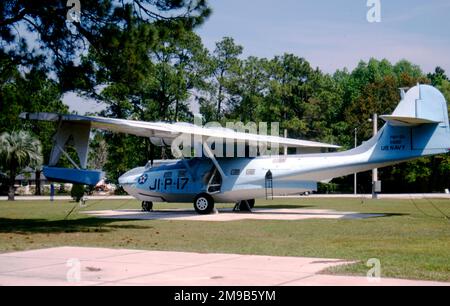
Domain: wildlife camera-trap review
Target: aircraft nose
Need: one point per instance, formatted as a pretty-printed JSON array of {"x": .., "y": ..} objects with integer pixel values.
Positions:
[
  {"x": 128, "y": 180},
  {"x": 131, "y": 176}
]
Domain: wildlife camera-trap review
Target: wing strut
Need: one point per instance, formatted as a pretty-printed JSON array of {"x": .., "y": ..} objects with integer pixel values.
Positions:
[
  {"x": 78, "y": 134},
  {"x": 210, "y": 155},
  {"x": 58, "y": 147}
]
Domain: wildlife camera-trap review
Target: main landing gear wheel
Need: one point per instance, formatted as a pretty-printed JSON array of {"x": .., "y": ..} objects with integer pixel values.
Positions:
[
  {"x": 204, "y": 204},
  {"x": 147, "y": 206},
  {"x": 246, "y": 205}
]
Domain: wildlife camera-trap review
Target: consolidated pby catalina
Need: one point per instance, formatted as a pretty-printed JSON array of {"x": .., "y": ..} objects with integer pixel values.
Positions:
[{"x": 419, "y": 126}]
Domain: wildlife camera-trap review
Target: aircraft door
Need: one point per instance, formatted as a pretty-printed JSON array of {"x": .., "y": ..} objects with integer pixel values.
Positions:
[
  {"x": 268, "y": 182},
  {"x": 215, "y": 182}
]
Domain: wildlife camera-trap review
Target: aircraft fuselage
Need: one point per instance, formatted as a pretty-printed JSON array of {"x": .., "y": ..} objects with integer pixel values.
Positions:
[
  {"x": 182, "y": 180},
  {"x": 250, "y": 178}
]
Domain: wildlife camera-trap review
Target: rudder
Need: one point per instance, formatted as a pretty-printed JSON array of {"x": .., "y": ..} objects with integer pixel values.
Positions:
[{"x": 423, "y": 109}]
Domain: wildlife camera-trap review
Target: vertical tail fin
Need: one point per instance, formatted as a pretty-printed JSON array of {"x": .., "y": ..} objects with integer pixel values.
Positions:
[
  {"x": 423, "y": 114},
  {"x": 421, "y": 104}
]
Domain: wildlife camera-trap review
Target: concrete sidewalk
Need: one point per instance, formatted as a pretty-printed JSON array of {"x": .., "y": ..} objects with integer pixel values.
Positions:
[
  {"x": 399, "y": 196},
  {"x": 68, "y": 198},
  {"x": 227, "y": 214},
  {"x": 99, "y": 266}
]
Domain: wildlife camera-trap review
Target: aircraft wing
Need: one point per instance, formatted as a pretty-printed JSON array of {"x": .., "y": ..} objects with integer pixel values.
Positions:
[{"x": 168, "y": 131}]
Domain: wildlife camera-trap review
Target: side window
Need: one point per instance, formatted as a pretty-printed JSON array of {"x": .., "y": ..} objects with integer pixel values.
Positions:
[
  {"x": 250, "y": 172},
  {"x": 235, "y": 171}
]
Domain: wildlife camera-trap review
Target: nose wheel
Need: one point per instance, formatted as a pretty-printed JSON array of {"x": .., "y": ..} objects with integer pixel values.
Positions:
[{"x": 147, "y": 206}]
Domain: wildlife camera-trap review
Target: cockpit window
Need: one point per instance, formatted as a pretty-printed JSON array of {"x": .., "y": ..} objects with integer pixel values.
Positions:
[{"x": 148, "y": 165}]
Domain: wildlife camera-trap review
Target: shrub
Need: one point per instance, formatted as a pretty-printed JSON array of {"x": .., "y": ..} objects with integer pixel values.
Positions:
[{"x": 77, "y": 192}]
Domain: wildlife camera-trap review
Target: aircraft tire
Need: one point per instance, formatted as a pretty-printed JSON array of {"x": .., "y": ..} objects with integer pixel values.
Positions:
[
  {"x": 203, "y": 204},
  {"x": 244, "y": 207},
  {"x": 147, "y": 206}
]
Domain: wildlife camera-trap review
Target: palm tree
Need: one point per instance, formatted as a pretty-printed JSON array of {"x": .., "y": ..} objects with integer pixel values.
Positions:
[{"x": 17, "y": 151}]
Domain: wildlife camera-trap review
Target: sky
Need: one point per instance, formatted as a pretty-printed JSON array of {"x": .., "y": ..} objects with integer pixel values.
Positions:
[
  {"x": 329, "y": 34},
  {"x": 334, "y": 34}
]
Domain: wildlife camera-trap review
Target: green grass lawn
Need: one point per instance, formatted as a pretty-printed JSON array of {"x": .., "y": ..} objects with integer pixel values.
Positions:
[{"x": 410, "y": 242}]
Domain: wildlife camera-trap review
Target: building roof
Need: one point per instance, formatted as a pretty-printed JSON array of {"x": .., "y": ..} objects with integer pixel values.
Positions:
[{"x": 29, "y": 174}]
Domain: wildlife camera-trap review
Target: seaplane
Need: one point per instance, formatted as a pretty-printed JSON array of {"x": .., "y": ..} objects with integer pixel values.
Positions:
[{"x": 418, "y": 127}]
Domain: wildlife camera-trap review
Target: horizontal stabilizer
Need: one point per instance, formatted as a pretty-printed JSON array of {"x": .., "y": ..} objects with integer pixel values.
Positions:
[{"x": 406, "y": 120}]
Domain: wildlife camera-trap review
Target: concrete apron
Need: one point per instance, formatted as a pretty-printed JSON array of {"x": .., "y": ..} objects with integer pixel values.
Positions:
[{"x": 75, "y": 266}]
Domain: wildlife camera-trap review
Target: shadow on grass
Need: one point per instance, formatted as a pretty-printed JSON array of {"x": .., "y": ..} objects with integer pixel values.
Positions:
[
  {"x": 385, "y": 215},
  {"x": 86, "y": 225},
  {"x": 281, "y": 206}
]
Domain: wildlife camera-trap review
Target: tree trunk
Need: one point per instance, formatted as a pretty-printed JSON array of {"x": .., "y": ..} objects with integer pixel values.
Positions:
[
  {"x": 11, "y": 190},
  {"x": 176, "y": 110},
  {"x": 219, "y": 103},
  {"x": 38, "y": 183}
]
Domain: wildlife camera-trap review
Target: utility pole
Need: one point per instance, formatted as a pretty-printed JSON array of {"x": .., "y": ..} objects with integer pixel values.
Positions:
[
  {"x": 374, "y": 172},
  {"x": 375, "y": 183},
  {"x": 285, "y": 146},
  {"x": 355, "y": 185}
]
